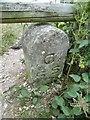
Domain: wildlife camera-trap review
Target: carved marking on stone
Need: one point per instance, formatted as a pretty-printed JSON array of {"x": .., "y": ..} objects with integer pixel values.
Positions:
[{"x": 49, "y": 58}]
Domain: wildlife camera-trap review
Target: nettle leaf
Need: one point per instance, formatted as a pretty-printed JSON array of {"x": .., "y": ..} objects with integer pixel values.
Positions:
[
  {"x": 44, "y": 88},
  {"x": 76, "y": 78},
  {"x": 54, "y": 104},
  {"x": 76, "y": 111},
  {"x": 83, "y": 43},
  {"x": 59, "y": 100},
  {"x": 34, "y": 101},
  {"x": 56, "y": 112},
  {"x": 85, "y": 77},
  {"x": 65, "y": 110},
  {"x": 25, "y": 93},
  {"x": 74, "y": 50}
]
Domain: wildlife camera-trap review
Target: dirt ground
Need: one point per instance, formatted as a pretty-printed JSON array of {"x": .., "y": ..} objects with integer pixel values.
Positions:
[{"x": 11, "y": 68}]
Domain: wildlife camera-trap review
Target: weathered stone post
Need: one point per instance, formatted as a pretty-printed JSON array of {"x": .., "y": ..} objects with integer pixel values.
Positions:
[{"x": 45, "y": 48}]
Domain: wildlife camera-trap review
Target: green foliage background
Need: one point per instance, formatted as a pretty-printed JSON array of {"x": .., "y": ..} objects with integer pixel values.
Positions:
[{"x": 74, "y": 101}]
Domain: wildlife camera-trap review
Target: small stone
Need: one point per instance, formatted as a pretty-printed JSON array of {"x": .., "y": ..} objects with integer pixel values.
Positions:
[
  {"x": 1, "y": 76},
  {"x": 32, "y": 106},
  {"x": 24, "y": 78},
  {"x": 43, "y": 52},
  {"x": 25, "y": 83},
  {"x": 13, "y": 62},
  {"x": 24, "y": 107},
  {"x": 5, "y": 105},
  {"x": 18, "y": 75},
  {"x": 27, "y": 108}
]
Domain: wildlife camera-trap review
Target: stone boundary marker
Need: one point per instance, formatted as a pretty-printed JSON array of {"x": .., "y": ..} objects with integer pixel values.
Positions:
[{"x": 45, "y": 48}]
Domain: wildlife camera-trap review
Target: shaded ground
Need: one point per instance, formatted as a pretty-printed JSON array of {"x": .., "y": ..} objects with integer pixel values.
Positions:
[{"x": 11, "y": 69}]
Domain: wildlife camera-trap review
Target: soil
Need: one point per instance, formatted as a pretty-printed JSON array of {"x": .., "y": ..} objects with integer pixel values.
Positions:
[{"x": 10, "y": 72}]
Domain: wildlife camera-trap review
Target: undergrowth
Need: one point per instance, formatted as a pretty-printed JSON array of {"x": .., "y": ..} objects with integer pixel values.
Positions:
[{"x": 71, "y": 100}]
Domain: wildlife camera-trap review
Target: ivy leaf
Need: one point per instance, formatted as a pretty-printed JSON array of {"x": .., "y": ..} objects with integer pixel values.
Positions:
[
  {"x": 25, "y": 93},
  {"x": 85, "y": 77},
  {"x": 56, "y": 112},
  {"x": 74, "y": 50},
  {"x": 43, "y": 88},
  {"x": 66, "y": 110},
  {"x": 76, "y": 78},
  {"x": 59, "y": 100},
  {"x": 83, "y": 43},
  {"x": 35, "y": 100}
]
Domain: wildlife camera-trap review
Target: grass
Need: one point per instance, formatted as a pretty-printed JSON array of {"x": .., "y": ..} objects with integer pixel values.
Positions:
[{"x": 9, "y": 34}]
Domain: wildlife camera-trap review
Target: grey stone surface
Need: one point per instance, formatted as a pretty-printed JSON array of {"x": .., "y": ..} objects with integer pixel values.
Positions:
[{"x": 45, "y": 48}]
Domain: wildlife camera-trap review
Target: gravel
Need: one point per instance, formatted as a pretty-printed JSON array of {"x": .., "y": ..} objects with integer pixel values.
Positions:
[{"x": 10, "y": 70}]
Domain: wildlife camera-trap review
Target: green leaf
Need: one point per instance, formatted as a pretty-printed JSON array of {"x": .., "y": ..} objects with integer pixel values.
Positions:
[
  {"x": 56, "y": 112},
  {"x": 72, "y": 94},
  {"x": 35, "y": 101},
  {"x": 85, "y": 77},
  {"x": 86, "y": 98},
  {"x": 88, "y": 63},
  {"x": 59, "y": 100},
  {"x": 33, "y": 94},
  {"x": 74, "y": 87},
  {"x": 20, "y": 97},
  {"x": 62, "y": 116},
  {"x": 74, "y": 50},
  {"x": 72, "y": 91},
  {"x": 76, "y": 78},
  {"x": 54, "y": 104},
  {"x": 22, "y": 102},
  {"x": 43, "y": 88},
  {"x": 47, "y": 110},
  {"x": 83, "y": 43},
  {"x": 25, "y": 93},
  {"x": 66, "y": 95},
  {"x": 76, "y": 111},
  {"x": 82, "y": 85},
  {"x": 65, "y": 110}
]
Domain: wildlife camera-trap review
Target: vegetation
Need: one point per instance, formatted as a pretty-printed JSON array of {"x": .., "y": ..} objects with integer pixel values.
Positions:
[
  {"x": 71, "y": 100},
  {"x": 10, "y": 33}
]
